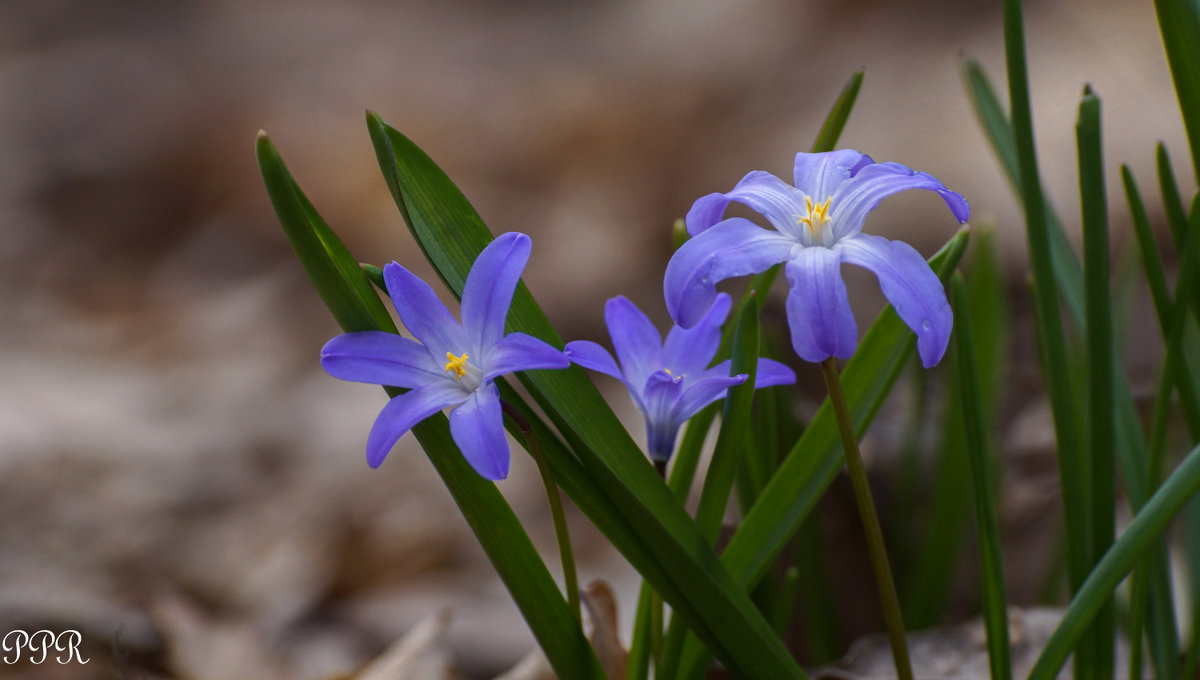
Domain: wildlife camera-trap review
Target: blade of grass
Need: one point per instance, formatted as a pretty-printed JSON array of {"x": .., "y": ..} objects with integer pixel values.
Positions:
[
  {"x": 1067, "y": 271},
  {"x": 1073, "y": 466},
  {"x": 1116, "y": 564},
  {"x": 991, "y": 565},
  {"x": 1156, "y": 280},
  {"x": 1179, "y": 24},
  {"x": 1101, "y": 359},
  {"x": 1171, "y": 198}
]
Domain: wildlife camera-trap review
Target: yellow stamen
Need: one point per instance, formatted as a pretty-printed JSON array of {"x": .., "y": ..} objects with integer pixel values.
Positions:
[
  {"x": 456, "y": 364},
  {"x": 816, "y": 214}
]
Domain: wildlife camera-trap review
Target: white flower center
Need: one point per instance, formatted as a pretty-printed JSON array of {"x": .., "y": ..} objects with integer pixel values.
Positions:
[
  {"x": 465, "y": 374},
  {"x": 818, "y": 222}
]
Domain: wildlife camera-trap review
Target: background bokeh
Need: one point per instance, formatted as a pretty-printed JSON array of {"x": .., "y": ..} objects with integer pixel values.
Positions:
[{"x": 178, "y": 479}]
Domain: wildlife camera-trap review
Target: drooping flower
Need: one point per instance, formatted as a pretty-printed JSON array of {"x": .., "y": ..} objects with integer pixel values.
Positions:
[
  {"x": 818, "y": 226},
  {"x": 669, "y": 381},
  {"x": 449, "y": 364}
]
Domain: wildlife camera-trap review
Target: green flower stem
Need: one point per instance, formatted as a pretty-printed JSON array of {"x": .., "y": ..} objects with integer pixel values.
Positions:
[
  {"x": 888, "y": 600},
  {"x": 570, "y": 580}
]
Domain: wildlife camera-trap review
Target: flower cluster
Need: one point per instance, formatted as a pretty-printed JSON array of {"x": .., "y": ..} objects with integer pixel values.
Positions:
[{"x": 817, "y": 226}]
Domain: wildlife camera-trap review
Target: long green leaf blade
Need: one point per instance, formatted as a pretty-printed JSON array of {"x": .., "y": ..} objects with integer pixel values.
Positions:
[
  {"x": 1117, "y": 562},
  {"x": 991, "y": 565},
  {"x": 1101, "y": 360},
  {"x": 1179, "y": 23}
]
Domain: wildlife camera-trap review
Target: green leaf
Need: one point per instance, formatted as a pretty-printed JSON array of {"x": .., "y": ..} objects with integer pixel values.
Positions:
[
  {"x": 735, "y": 427},
  {"x": 345, "y": 290},
  {"x": 337, "y": 277},
  {"x": 835, "y": 121},
  {"x": 1179, "y": 23},
  {"x": 1066, "y": 268},
  {"x": 1101, "y": 359},
  {"x": 681, "y": 565},
  {"x": 1117, "y": 562},
  {"x": 1073, "y": 464},
  {"x": 991, "y": 564}
]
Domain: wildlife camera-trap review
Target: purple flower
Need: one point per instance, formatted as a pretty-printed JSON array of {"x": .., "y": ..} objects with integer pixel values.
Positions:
[
  {"x": 670, "y": 381},
  {"x": 818, "y": 226},
  {"x": 453, "y": 364}
]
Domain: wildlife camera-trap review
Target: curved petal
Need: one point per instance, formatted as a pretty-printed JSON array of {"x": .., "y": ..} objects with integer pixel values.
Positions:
[
  {"x": 379, "y": 358},
  {"x": 700, "y": 393},
  {"x": 771, "y": 373},
  {"x": 592, "y": 356},
  {"x": 819, "y": 174},
  {"x": 818, "y": 308},
  {"x": 911, "y": 286},
  {"x": 735, "y": 247},
  {"x": 862, "y": 193},
  {"x": 477, "y": 426},
  {"x": 488, "y": 291},
  {"x": 688, "y": 351},
  {"x": 423, "y": 314},
  {"x": 636, "y": 341},
  {"x": 406, "y": 410},
  {"x": 763, "y": 192},
  {"x": 661, "y": 394},
  {"x": 521, "y": 352}
]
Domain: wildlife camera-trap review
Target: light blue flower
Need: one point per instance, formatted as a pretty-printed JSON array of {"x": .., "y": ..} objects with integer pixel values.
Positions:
[
  {"x": 450, "y": 364},
  {"x": 818, "y": 226},
  {"x": 670, "y": 381}
]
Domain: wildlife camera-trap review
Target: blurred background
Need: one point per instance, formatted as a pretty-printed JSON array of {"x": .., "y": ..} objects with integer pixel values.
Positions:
[{"x": 180, "y": 481}]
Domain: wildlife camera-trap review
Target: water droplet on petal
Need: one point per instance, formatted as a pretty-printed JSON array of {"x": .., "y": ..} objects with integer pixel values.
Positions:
[{"x": 925, "y": 325}]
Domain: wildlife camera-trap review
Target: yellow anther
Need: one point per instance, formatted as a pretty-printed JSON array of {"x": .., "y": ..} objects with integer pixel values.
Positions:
[
  {"x": 456, "y": 364},
  {"x": 816, "y": 214}
]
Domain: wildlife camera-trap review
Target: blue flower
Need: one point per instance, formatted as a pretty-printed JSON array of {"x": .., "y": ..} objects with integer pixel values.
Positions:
[
  {"x": 670, "y": 381},
  {"x": 450, "y": 364},
  {"x": 818, "y": 226}
]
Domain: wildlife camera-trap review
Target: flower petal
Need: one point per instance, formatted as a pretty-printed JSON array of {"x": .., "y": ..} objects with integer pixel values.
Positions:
[
  {"x": 477, "y": 426},
  {"x": 636, "y": 341},
  {"x": 592, "y": 356},
  {"x": 406, "y": 410},
  {"x": 488, "y": 291},
  {"x": 818, "y": 308},
  {"x": 521, "y": 352},
  {"x": 862, "y": 193},
  {"x": 379, "y": 358},
  {"x": 763, "y": 192},
  {"x": 735, "y": 247},
  {"x": 771, "y": 373},
  {"x": 688, "y": 351},
  {"x": 819, "y": 174},
  {"x": 423, "y": 314},
  {"x": 911, "y": 286},
  {"x": 662, "y": 393},
  {"x": 700, "y": 393}
]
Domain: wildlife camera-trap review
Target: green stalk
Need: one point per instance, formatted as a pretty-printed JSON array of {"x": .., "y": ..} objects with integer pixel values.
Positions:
[
  {"x": 1100, "y": 361},
  {"x": 561, "y": 534},
  {"x": 889, "y": 601}
]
